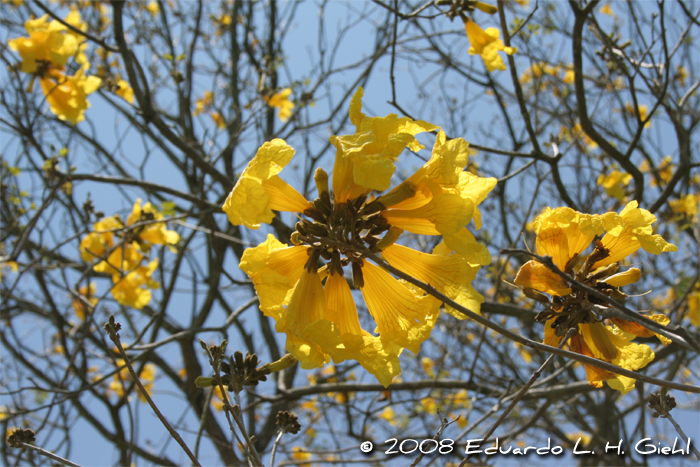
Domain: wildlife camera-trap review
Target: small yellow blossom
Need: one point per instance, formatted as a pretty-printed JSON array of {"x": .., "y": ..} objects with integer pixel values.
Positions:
[
  {"x": 615, "y": 183},
  {"x": 694, "y": 307},
  {"x": 88, "y": 295},
  {"x": 132, "y": 280},
  {"x": 123, "y": 378},
  {"x": 153, "y": 8},
  {"x": 388, "y": 415},
  {"x": 687, "y": 205},
  {"x": 203, "y": 103},
  {"x": 607, "y": 10},
  {"x": 299, "y": 454},
  {"x": 11, "y": 265},
  {"x": 681, "y": 74},
  {"x": 281, "y": 101},
  {"x": 487, "y": 44},
  {"x": 428, "y": 367},
  {"x": 133, "y": 289},
  {"x": 569, "y": 75},
  {"x": 67, "y": 95},
  {"x": 664, "y": 170},
  {"x": 643, "y": 113},
  {"x": 125, "y": 91},
  {"x": 218, "y": 119}
]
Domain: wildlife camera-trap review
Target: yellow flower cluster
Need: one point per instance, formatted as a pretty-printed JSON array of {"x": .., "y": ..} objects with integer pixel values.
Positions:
[
  {"x": 564, "y": 234},
  {"x": 46, "y": 52},
  {"x": 320, "y": 319},
  {"x": 124, "y": 259}
]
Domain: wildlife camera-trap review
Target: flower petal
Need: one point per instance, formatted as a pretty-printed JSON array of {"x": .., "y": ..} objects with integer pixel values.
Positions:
[
  {"x": 274, "y": 269},
  {"x": 402, "y": 317},
  {"x": 537, "y": 276},
  {"x": 449, "y": 274}
]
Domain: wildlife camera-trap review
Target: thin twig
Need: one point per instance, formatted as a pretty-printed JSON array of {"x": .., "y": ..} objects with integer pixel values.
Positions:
[
  {"x": 521, "y": 393},
  {"x": 112, "y": 329},
  {"x": 49, "y": 454}
]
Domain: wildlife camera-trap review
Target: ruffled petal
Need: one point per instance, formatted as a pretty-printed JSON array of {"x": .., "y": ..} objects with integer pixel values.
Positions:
[
  {"x": 463, "y": 243},
  {"x": 274, "y": 269},
  {"x": 259, "y": 190}
]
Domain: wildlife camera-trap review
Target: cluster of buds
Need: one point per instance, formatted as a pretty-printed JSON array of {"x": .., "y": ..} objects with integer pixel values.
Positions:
[
  {"x": 340, "y": 232},
  {"x": 662, "y": 403},
  {"x": 288, "y": 422},
  {"x": 240, "y": 371},
  {"x": 19, "y": 436}
]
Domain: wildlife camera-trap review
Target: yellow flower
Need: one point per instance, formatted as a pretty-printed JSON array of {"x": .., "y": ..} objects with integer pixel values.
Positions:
[
  {"x": 314, "y": 305},
  {"x": 95, "y": 244},
  {"x": 687, "y": 205},
  {"x": 569, "y": 75},
  {"x": 681, "y": 74},
  {"x": 564, "y": 234},
  {"x": 487, "y": 44},
  {"x": 11, "y": 265},
  {"x": 153, "y": 8},
  {"x": 388, "y": 415},
  {"x": 299, "y": 454},
  {"x": 281, "y": 101},
  {"x": 123, "y": 378},
  {"x": 578, "y": 135},
  {"x": 218, "y": 119},
  {"x": 664, "y": 170},
  {"x": 694, "y": 307},
  {"x": 67, "y": 95},
  {"x": 615, "y": 183},
  {"x": 133, "y": 288},
  {"x": 46, "y": 46},
  {"x": 152, "y": 232},
  {"x": 607, "y": 10},
  {"x": 125, "y": 91},
  {"x": 643, "y": 113},
  {"x": 88, "y": 295},
  {"x": 203, "y": 103}
]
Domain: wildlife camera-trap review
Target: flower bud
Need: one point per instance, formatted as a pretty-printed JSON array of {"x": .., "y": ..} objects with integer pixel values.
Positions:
[
  {"x": 282, "y": 364},
  {"x": 399, "y": 194}
]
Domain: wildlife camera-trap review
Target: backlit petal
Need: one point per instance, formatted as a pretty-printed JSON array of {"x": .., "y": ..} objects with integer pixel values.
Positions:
[
  {"x": 402, "y": 317},
  {"x": 535, "y": 275}
]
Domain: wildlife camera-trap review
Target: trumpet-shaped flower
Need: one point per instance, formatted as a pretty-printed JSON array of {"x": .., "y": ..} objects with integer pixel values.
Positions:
[
  {"x": 67, "y": 95},
  {"x": 487, "y": 44},
  {"x": 564, "y": 234},
  {"x": 313, "y": 304},
  {"x": 48, "y": 45}
]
